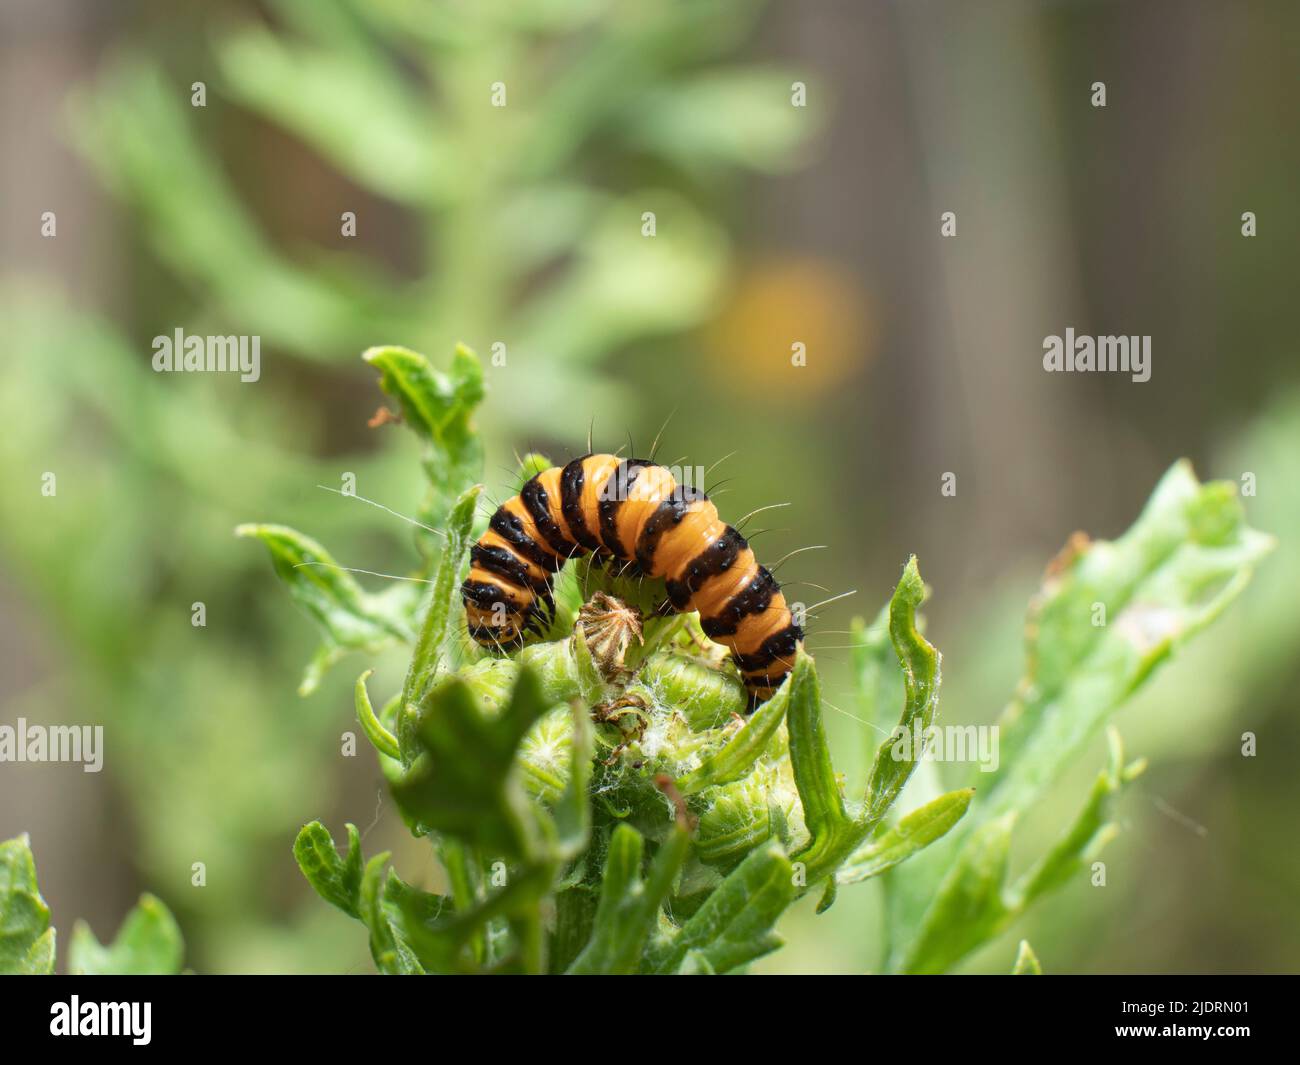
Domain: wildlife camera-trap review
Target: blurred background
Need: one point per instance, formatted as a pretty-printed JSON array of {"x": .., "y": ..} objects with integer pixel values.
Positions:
[{"x": 521, "y": 226}]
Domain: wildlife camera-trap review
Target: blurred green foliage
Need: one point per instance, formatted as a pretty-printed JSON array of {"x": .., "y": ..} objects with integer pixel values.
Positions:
[
  {"x": 520, "y": 226},
  {"x": 149, "y": 941}
]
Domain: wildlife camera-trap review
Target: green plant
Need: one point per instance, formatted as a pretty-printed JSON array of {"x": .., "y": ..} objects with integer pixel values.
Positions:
[
  {"x": 598, "y": 804},
  {"x": 508, "y": 222},
  {"x": 149, "y": 940}
]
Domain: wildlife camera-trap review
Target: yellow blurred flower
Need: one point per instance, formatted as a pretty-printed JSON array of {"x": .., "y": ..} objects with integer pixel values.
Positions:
[{"x": 791, "y": 326}]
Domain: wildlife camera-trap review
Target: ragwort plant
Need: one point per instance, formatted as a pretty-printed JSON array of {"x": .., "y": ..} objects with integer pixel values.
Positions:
[{"x": 600, "y": 803}]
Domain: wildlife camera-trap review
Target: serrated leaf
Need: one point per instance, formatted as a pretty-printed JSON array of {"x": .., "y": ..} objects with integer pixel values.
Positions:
[
  {"x": 349, "y": 617},
  {"x": 735, "y": 924},
  {"x": 148, "y": 943},
  {"x": 337, "y": 880},
  {"x": 439, "y": 407},
  {"x": 921, "y": 678},
  {"x": 913, "y": 832},
  {"x": 26, "y": 939},
  {"x": 737, "y": 756},
  {"x": 832, "y": 832},
  {"x": 628, "y": 910},
  {"x": 464, "y": 781},
  {"x": 1108, "y": 615}
]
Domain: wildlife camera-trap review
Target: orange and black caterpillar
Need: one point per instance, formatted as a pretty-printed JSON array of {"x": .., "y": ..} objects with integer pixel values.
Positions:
[{"x": 634, "y": 511}]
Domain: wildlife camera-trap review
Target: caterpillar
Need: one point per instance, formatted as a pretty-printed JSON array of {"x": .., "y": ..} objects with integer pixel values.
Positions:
[{"x": 633, "y": 511}]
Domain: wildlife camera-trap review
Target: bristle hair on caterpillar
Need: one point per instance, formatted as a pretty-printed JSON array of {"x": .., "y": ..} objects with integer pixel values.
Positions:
[{"x": 636, "y": 515}]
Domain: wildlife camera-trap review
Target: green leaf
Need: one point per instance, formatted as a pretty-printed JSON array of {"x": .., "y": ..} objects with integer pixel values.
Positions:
[
  {"x": 392, "y": 954},
  {"x": 735, "y": 117},
  {"x": 337, "y": 880},
  {"x": 1187, "y": 556},
  {"x": 431, "y": 646},
  {"x": 832, "y": 832},
  {"x": 736, "y": 758},
  {"x": 921, "y": 677},
  {"x": 381, "y": 739},
  {"x": 1026, "y": 961},
  {"x": 628, "y": 910},
  {"x": 974, "y": 903},
  {"x": 878, "y": 678},
  {"x": 573, "y": 811},
  {"x": 591, "y": 685},
  {"x": 360, "y": 116},
  {"x": 139, "y": 131},
  {"x": 464, "y": 781},
  {"x": 439, "y": 407},
  {"x": 971, "y": 907},
  {"x": 533, "y": 464},
  {"x": 40, "y": 958},
  {"x": 734, "y": 926},
  {"x": 148, "y": 943},
  {"x": 349, "y": 617},
  {"x": 26, "y": 938},
  {"x": 1108, "y": 615},
  {"x": 438, "y": 939},
  {"x": 914, "y": 832},
  {"x": 1091, "y": 829}
]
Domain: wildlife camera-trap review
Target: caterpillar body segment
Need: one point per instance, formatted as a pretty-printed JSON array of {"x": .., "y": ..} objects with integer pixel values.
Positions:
[{"x": 635, "y": 512}]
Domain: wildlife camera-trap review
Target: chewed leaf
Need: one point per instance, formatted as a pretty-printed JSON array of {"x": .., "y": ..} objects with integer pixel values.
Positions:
[{"x": 1108, "y": 615}]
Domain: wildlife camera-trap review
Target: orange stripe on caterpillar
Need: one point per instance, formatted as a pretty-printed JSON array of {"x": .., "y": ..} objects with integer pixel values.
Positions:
[{"x": 632, "y": 510}]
